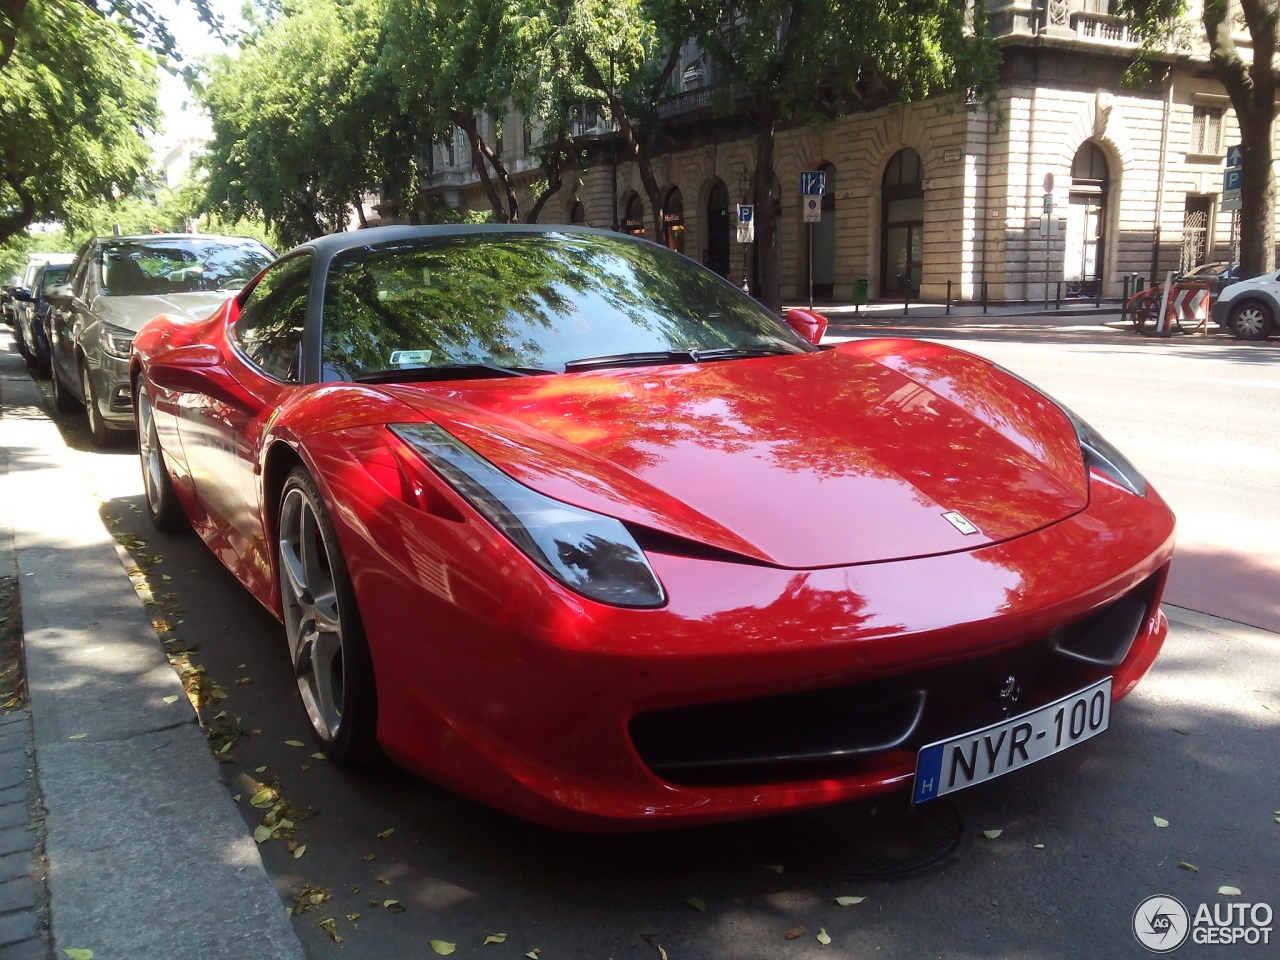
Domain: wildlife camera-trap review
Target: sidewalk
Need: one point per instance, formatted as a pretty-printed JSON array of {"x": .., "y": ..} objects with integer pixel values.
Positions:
[{"x": 145, "y": 852}]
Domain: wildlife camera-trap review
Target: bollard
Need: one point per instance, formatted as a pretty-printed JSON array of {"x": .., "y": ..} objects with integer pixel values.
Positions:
[
  {"x": 1057, "y": 297},
  {"x": 1097, "y": 293},
  {"x": 1124, "y": 299},
  {"x": 948, "y": 298},
  {"x": 906, "y": 302},
  {"x": 984, "y": 297}
]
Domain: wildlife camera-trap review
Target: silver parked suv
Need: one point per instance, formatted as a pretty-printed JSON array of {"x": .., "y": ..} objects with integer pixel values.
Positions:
[
  {"x": 117, "y": 284},
  {"x": 1250, "y": 308}
]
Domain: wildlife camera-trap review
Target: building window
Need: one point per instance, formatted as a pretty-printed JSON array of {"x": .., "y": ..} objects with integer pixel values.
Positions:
[{"x": 1206, "y": 130}]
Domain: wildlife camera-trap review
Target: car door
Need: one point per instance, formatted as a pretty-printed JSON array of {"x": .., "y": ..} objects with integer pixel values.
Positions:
[
  {"x": 61, "y": 322},
  {"x": 222, "y": 435}
]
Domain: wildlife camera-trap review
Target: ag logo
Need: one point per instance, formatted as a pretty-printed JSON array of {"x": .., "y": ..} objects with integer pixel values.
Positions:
[{"x": 1161, "y": 924}]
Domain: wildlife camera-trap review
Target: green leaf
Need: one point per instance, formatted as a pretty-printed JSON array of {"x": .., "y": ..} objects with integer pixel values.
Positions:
[
  {"x": 849, "y": 901},
  {"x": 263, "y": 798},
  {"x": 443, "y": 947},
  {"x": 822, "y": 937},
  {"x": 300, "y": 851},
  {"x": 387, "y": 832},
  {"x": 261, "y": 834},
  {"x": 75, "y": 954},
  {"x": 494, "y": 938},
  {"x": 77, "y": 736},
  {"x": 294, "y": 743},
  {"x": 1183, "y": 865},
  {"x": 1229, "y": 891},
  {"x": 171, "y": 699},
  {"x": 775, "y": 867},
  {"x": 698, "y": 904},
  {"x": 991, "y": 834},
  {"x": 1160, "y": 822}
]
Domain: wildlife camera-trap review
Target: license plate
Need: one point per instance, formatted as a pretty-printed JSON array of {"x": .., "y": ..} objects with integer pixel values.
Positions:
[{"x": 950, "y": 765}]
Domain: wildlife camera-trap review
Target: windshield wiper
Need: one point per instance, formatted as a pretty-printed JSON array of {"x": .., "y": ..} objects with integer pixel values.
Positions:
[
  {"x": 631, "y": 360},
  {"x": 448, "y": 371},
  {"x": 733, "y": 353}
]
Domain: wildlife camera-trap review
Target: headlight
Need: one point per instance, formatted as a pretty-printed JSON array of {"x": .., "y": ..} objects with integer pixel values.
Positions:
[
  {"x": 1098, "y": 452},
  {"x": 589, "y": 553},
  {"x": 116, "y": 341}
]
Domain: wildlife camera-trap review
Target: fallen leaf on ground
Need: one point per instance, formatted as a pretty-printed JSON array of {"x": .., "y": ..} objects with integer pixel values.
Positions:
[
  {"x": 171, "y": 699},
  {"x": 795, "y": 933},
  {"x": 849, "y": 901},
  {"x": 1039, "y": 846},
  {"x": 1160, "y": 822},
  {"x": 991, "y": 834},
  {"x": 330, "y": 926},
  {"x": 1229, "y": 891},
  {"x": 775, "y": 867},
  {"x": 386, "y": 833},
  {"x": 494, "y": 938},
  {"x": 261, "y": 834},
  {"x": 443, "y": 947},
  {"x": 1183, "y": 865},
  {"x": 261, "y": 769},
  {"x": 300, "y": 851},
  {"x": 74, "y": 954},
  {"x": 698, "y": 904},
  {"x": 393, "y": 906},
  {"x": 263, "y": 798},
  {"x": 367, "y": 857},
  {"x": 353, "y": 917},
  {"x": 534, "y": 953},
  {"x": 77, "y": 736},
  {"x": 318, "y": 756},
  {"x": 822, "y": 936},
  {"x": 294, "y": 743}
]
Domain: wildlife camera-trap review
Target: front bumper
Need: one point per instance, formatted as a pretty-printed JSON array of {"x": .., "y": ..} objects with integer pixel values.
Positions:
[{"x": 508, "y": 688}]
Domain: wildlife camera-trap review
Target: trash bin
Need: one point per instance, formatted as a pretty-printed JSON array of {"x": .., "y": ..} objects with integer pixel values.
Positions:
[{"x": 860, "y": 291}]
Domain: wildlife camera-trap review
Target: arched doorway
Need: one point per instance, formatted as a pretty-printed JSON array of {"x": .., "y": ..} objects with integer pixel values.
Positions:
[
  {"x": 716, "y": 254},
  {"x": 1085, "y": 251},
  {"x": 633, "y": 217},
  {"x": 673, "y": 217},
  {"x": 902, "y": 224},
  {"x": 822, "y": 248},
  {"x": 578, "y": 214}
]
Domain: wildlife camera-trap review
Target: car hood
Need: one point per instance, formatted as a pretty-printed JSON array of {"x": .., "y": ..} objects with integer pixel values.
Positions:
[
  {"x": 846, "y": 456},
  {"x": 132, "y": 312}
]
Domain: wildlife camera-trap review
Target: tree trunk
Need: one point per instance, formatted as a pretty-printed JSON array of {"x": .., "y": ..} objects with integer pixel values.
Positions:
[
  {"x": 20, "y": 219},
  {"x": 1257, "y": 191},
  {"x": 467, "y": 124},
  {"x": 554, "y": 165},
  {"x": 766, "y": 223}
]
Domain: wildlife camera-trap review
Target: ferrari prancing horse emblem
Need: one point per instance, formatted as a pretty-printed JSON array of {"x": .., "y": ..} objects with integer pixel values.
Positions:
[{"x": 960, "y": 522}]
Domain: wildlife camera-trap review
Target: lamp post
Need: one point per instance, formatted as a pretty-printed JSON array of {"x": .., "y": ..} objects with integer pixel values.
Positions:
[
  {"x": 744, "y": 183},
  {"x": 613, "y": 150}
]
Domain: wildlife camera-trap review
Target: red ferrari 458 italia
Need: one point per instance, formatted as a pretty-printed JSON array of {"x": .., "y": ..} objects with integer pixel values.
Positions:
[{"x": 566, "y": 522}]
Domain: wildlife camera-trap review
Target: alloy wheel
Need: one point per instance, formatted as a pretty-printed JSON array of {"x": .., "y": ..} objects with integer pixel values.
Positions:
[
  {"x": 312, "y": 616},
  {"x": 1250, "y": 322}
]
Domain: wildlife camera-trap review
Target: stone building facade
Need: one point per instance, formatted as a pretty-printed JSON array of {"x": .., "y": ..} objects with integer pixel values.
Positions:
[{"x": 1071, "y": 180}]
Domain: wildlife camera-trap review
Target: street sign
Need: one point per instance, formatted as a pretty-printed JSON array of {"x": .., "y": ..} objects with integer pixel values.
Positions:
[
  {"x": 746, "y": 223},
  {"x": 1048, "y": 183},
  {"x": 1048, "y": 203},
  {"x": 812, "y": 209},
  {"x": 813, "y": 183},
  {"x": 1235, "y": 156},
  {"x": 1232, "y": 177}
]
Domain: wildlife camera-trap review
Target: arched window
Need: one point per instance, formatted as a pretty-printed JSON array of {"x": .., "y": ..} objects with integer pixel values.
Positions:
[
  {"x": 902, "y": 224},
  {"x": 578, "y": 214},
  {"x": 1085, "y": 253},
  {"x": 716, "y": 254},
  {"x": 633, "y": 220}
]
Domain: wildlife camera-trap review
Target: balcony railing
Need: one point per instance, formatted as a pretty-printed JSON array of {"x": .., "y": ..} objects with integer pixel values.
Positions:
[{"x": 1102, "y": 27}]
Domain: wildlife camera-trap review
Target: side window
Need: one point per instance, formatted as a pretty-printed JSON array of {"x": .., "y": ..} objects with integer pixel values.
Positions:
[
  {"x": 273, "y": 317},
  {"x": 80, "y": 270}
]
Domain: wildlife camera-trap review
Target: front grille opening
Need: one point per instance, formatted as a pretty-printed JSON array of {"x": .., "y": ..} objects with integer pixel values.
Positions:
[
  {"x": 1105, "y": 636},
  {"x": 757, "y": 740},
  {"x": 862, "y": 727}
]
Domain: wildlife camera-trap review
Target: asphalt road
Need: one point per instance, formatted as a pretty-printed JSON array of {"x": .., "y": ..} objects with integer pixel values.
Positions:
[{"x": 1078, "y": 849}]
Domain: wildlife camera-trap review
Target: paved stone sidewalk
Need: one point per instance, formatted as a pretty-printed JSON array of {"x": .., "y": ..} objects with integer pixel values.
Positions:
[{"x": 22, "y": 928}]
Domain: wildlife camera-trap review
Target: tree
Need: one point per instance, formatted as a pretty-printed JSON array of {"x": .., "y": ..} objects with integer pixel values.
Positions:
[
  {"x": 783, "y": 62},
  {"x": 76, "y": 98},
  {"x": 301, "y": 127},
  {"x": 1251, "y": 85}
]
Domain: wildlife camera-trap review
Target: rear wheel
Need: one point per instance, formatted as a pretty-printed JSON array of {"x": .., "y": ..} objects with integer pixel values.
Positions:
[
  {"x": 1252, "y": 320},
  {"x": 326, "y": 638},
  {"x": 162, "y": 503}
]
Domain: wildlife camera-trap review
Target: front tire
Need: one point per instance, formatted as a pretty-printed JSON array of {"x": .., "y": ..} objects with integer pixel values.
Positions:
[
  {"x": 1252, "y": 320},
  {"x": 162, "y": 503},
  {"x": 103, "y": 436},
  {"x": 330, "y": 656}
]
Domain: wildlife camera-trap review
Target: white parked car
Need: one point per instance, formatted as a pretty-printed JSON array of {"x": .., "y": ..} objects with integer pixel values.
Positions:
[{"x": 1249, "y": 308}]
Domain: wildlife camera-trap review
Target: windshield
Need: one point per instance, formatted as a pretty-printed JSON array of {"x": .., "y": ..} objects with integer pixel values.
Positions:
[
  {"x": 532, "y": 302},
  {"x": 167, "y": 265}
]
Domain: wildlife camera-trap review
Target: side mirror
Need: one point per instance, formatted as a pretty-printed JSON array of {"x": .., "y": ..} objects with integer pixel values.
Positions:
[
  {"x": 23, "y": 294},
  {"x": 808, "y": 323},
  {"x": 198, "y": 368},
  {"x": 60, "y": 291}
]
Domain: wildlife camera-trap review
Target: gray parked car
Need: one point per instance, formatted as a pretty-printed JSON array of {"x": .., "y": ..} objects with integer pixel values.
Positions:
[{"x": 116, "y": 285}]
